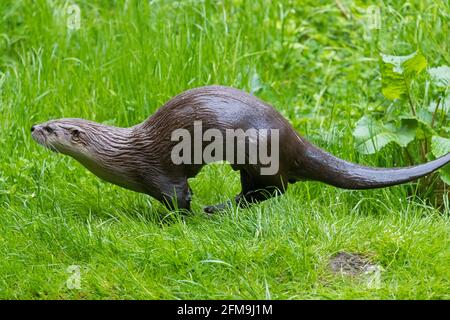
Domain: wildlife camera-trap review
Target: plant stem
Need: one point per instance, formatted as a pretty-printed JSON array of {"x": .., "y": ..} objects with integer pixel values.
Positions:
[
  {"x": 413, "y": 109},
  {"x": 444, "y": 114},
  {"x": 343, "y": 10},
  {"x": 423, "y": 146},
  {"x": 422, "y": 151},
  {"x": 435, "y": 112},
  {"x": 408, "y": 155}
]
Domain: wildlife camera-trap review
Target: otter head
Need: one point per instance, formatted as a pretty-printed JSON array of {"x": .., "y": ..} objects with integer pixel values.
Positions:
[
  {"x": 104, "y": 150},
  {"x": 67, "y": 136}
]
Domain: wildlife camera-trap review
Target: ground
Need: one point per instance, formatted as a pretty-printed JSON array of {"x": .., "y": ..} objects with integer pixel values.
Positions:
[{"x": 314, "y": 61}]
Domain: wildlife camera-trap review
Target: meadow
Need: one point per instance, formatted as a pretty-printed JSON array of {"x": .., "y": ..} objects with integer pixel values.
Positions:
[{"x": 317, "y": 62}]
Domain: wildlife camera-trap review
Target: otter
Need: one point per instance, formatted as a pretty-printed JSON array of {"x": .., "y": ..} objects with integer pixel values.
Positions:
[{"x": 139, "y": 158}]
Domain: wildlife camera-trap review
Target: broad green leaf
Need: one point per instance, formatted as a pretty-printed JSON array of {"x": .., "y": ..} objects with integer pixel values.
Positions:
[
  {"x": 392, "y": 83},
  {"x": 440, "y": 76},
  {"x": 423, "y": 123},
  {"x": 440, "y": 146},
  {"x": 444, "y": 174},
  {"x": 398, "y": 71},
  {"x": 371, "y": 135},
  {"x": 376, "y": 143},
  {"x": 406, "y": 133},
  {"x": 396, "y": 61},
  {"x": 414, "y": 65}
]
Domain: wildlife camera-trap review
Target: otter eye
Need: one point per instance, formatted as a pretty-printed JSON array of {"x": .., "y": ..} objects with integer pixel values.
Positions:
[
  {"x": 48, "y": 129},
  {"x": 75, "y": 134}
]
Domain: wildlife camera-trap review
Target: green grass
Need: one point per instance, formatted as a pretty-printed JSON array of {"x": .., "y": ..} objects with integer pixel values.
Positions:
[{"x": 312, "y": 63}]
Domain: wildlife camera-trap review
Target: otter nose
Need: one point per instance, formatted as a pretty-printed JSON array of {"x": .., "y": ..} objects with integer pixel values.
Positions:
[{"x": 32, "y": 128}]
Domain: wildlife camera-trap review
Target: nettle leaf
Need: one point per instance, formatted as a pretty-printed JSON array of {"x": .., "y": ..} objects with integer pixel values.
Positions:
[
  {"x": 398, "y": 71},
  {"x": 440, "y": 147},
  {"x": 371, "y": 135},
  {"x": 440, "y": 76}
]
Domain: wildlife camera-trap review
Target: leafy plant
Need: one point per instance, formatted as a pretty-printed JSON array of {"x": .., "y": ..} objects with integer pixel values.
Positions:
[{"x": 417, "y": 119}]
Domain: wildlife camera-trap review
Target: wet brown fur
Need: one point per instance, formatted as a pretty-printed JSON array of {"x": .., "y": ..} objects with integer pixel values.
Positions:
[{"x": 139, "y": 158}]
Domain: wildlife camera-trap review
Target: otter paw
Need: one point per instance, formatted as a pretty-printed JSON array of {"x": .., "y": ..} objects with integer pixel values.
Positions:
[{"x": 217, "y": 208}]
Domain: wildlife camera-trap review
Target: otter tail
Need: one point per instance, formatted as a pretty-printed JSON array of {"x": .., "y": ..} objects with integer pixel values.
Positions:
[{"x": 322, "y": 166}]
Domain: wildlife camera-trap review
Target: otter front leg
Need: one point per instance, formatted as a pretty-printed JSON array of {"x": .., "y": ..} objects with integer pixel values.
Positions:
[
  {"x": 219, "y": 207},
  {"x": 177, "y": 196}
]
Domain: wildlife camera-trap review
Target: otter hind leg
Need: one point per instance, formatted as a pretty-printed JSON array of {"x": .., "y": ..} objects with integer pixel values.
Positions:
[{"x": 254, "y": 190}]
